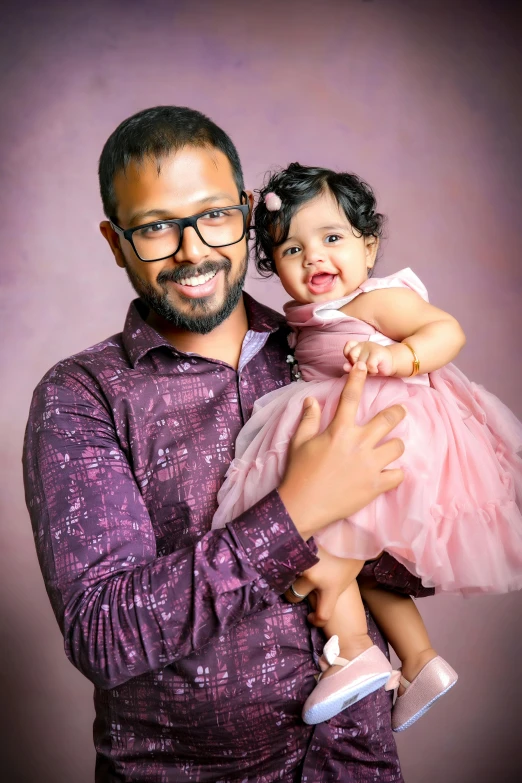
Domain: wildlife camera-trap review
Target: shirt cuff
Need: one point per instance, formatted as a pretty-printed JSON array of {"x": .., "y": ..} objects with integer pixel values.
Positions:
[{"x": 269, "y": 538}]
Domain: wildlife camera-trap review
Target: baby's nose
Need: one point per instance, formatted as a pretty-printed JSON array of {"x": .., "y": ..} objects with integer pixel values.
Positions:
[{"x": 313, "y": 256}]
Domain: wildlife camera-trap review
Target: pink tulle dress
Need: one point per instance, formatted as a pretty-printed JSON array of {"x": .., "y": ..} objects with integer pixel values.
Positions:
[{"x": 455, "y": 521}]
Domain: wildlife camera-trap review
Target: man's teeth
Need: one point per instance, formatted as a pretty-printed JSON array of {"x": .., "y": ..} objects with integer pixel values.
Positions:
[{"x": 199, "y": 280}]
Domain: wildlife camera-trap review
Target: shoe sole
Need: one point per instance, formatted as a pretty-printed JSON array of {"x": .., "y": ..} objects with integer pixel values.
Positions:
[
  {"x": 342, "y": 699},
  {"x": 424, "y": 710}
]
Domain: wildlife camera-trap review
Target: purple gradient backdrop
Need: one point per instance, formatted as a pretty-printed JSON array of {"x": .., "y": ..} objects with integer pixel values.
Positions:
[{"x": 422, "y": 99}]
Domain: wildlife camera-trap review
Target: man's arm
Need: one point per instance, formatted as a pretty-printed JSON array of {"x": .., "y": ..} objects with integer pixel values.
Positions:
[{"x": 123, "y": 610}]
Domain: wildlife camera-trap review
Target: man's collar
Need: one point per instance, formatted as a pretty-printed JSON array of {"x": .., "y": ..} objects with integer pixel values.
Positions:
[
  {"x": 261, "y": 318},
  {"x": 139, "y": 338}
]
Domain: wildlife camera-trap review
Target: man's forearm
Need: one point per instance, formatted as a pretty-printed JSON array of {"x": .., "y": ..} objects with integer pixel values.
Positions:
[
  {"x": 122, "y": 609},
  {"x": 143, "y": 619}
]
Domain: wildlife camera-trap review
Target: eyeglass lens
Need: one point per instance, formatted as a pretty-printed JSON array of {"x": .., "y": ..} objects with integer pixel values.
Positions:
[{"x": 217, "y": 229}]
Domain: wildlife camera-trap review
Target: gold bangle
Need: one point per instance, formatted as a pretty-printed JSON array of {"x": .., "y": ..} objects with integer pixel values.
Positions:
[{"x": 416, "y": 363}]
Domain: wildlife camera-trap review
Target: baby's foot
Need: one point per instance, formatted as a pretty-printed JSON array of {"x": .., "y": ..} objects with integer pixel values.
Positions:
[
  {"x": 414, "y": 664},
  {"x": 347, "y": 652},
  {"x": 348, "y": 681},
  {"x": 433, "y": 681}
]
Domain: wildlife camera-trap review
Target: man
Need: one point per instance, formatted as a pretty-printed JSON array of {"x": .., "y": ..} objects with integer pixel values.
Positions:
[{"x": 200, "y": 668}]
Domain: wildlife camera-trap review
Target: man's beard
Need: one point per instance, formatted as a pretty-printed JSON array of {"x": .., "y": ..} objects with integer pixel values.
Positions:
[{"x": 201, "y": 318}]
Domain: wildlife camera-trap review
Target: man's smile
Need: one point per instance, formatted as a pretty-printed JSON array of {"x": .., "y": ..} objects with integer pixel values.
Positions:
[{"x": 199, "y": 285}]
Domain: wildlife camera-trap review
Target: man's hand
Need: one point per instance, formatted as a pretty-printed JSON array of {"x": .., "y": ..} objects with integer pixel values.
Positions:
[
  {"x": 328, "y": 578},
  {"x": 378, "y": 358},
  {"x": 330, "y": 476}
]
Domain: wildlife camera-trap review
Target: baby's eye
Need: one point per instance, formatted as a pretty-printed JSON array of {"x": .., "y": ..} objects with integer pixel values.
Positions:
[
  {"x": 291, "y": 251},
  {"x": 332, "y": 238}
]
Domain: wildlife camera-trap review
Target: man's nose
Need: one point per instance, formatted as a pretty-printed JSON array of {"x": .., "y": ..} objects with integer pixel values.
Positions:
[{"x": 192, "y": 249}]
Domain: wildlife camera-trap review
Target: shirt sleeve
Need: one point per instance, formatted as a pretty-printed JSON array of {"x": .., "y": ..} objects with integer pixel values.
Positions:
[
  {"x": 124, "y": 611},
  {"x": 392, "y": 575}
]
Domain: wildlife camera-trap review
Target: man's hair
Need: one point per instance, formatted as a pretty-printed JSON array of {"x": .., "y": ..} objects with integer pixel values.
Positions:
[{"x": 155, "y": 133}]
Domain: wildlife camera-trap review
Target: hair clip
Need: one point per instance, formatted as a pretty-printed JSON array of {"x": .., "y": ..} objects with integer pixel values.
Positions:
[{"x": 273, "y": 202}]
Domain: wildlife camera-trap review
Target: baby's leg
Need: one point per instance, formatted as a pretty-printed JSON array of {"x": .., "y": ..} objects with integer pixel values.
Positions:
[
  {"x": 401, "y": 623},
  {"x": 348, "y": 622},
  {"x": 360, "y": 667}
]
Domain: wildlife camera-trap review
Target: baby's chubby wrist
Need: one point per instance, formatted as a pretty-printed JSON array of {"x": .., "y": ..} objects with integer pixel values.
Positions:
[{"x": 403, "y": 361}]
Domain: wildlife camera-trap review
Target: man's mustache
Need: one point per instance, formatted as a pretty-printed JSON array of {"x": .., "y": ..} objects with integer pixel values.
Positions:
[{"x": 184, "y": 271}]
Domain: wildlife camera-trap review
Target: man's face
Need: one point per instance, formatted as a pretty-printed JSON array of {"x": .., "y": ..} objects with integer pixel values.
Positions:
[{"x": 189, "y": 181}]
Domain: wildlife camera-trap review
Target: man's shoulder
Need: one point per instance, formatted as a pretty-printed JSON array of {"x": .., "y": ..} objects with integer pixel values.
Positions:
[{"x": 88, "y": 363}]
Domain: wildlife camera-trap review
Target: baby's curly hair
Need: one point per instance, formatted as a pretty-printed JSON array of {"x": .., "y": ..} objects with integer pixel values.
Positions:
[{"x": 295, "y": 186}]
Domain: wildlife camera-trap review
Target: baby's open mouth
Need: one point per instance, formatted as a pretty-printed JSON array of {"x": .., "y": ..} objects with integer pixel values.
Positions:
[{"x": 321, "y": 282}]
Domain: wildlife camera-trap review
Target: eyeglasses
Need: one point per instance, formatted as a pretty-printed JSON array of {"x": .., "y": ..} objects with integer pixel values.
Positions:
[{"x": 218, "y": 227}]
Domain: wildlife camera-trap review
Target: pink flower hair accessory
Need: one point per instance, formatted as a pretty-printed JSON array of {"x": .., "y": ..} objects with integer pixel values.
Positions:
[{"x": 273, "y": 202}]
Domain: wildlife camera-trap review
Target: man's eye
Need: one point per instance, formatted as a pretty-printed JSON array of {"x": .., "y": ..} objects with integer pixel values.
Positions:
[
  {"x": 155, "y": 229},
  {"x": 217, "y": 217}
]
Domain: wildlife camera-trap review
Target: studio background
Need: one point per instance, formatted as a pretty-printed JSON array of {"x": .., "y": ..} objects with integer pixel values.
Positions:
[{"x": 423, "y": 100}]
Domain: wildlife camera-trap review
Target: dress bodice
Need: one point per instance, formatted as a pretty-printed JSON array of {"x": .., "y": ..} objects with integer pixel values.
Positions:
[{"x": 321, "y": 330}]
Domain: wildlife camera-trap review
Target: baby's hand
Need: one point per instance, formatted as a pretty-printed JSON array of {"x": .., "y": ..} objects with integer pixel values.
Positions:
[{"x": 378, "y": 358}]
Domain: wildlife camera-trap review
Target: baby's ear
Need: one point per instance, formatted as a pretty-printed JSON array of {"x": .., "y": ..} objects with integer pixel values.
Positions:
[{"x": 371, "y": 245}]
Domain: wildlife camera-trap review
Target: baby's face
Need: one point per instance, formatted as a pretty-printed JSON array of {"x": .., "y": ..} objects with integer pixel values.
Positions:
[{"x": 323, "y": 258}]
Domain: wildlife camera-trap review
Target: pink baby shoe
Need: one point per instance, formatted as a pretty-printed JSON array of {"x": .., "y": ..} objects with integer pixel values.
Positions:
[
  {"x": 432, "y": 682},
  {"x": 358, "y": 678}
]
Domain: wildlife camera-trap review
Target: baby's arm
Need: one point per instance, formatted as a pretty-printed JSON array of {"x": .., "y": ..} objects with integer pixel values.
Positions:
[{"x": 403, "y": 316}]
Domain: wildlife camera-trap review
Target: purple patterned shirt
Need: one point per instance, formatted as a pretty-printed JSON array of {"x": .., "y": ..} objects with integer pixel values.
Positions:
[{"x": 200, "y": 668}]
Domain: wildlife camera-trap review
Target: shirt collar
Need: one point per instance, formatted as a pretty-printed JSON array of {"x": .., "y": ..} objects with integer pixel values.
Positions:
[
  {"x": 139, "y": 338},
  {"x": 260, "y": 317}
]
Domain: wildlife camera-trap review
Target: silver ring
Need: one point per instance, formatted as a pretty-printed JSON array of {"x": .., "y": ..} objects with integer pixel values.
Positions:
[{"x": 298, "y": 595}]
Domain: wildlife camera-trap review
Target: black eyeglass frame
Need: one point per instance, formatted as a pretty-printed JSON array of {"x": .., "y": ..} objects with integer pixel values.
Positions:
[{"x": 183, "y": 223}]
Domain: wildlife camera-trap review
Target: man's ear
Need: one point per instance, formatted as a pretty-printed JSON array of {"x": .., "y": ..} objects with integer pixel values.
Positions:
[
  {"x": 114, "y": 242},
  {"x": 371, "y": 246},
  {"x": 250, "y": 202}
]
